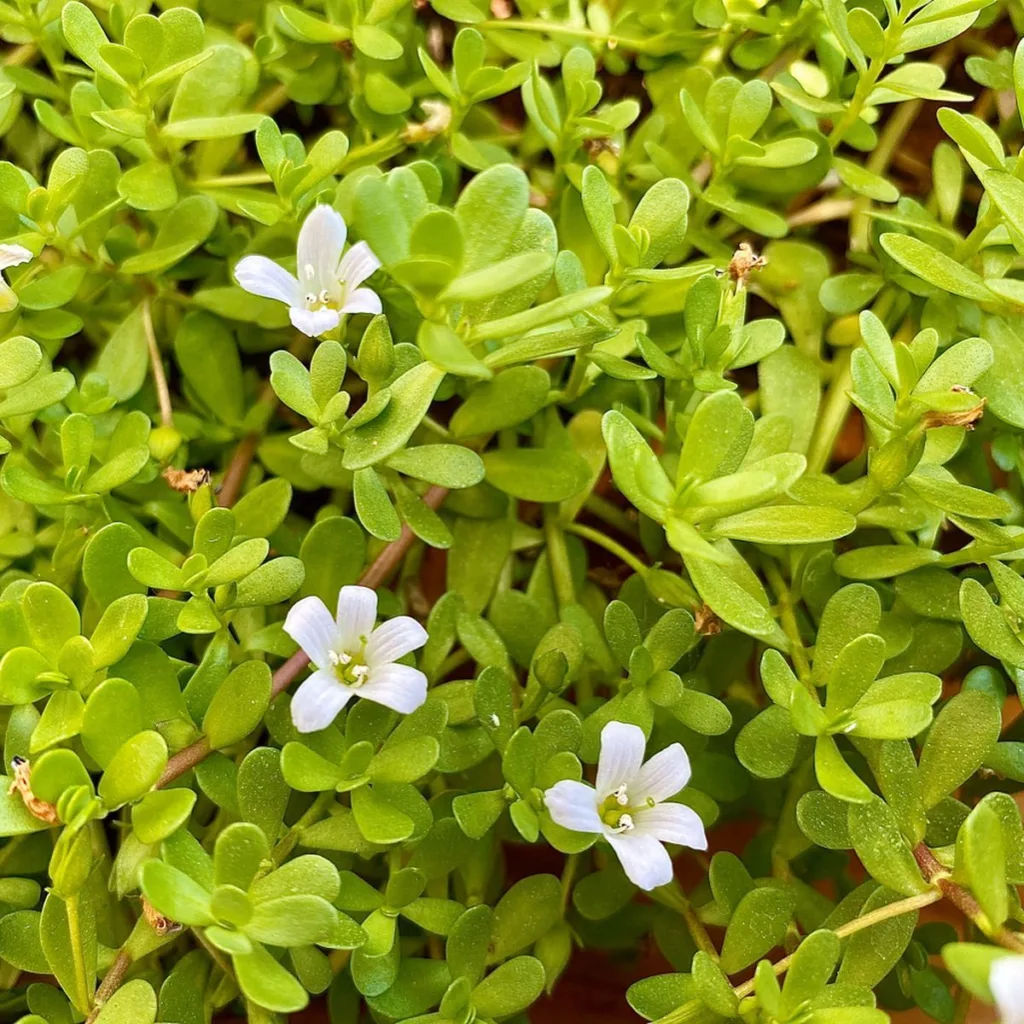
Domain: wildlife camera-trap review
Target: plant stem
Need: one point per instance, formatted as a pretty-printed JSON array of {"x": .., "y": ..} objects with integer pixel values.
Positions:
[
  {"x": 673, "y": 897},
  {"x": 314, "y": 813},
  {"x": 611, "y": 514},
  {"x": 163, "y": 393},
  {"x": 539, "y": 25},
  {"x": 568, "y": 875},
  {"x": 215, "y": 954},
  {"x": 613, "y": 547},
  {"x": 376, "y": 573},
  {"x": 910, "y": 905},
  {"x": 77, "y": 951},
  {"x": 111, "y": 982},
  {"x": 787, "y": 613},
  {"x": 833, "y": 414},
  {"x": 897, "y": 909},
  {"x": 938, "y": 877},
  {"x": 558, "y": 557},
  {"x": 865, "y": 84},
  {"x": 234, "y": 180},
  {"x": 338, "y": 959},
  {"x": 238, "y": 469},
  {"x": 241, "y": 460}
]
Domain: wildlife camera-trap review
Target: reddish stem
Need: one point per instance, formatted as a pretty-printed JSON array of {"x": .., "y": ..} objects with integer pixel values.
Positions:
[
  {"x": 238, "y": 469},
  {"x": 936, "y": 874}
]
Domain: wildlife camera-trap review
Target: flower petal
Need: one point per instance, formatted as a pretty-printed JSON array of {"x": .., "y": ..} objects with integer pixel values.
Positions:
[
  {"x": 14, "y": 255},
  {"x": 662, "y": 777},
  {"x": 399, "y": 687},
  {"x": 1006, "y": 979},
  {"x": 314, "y": 322},
  {"x": 645, "y": 861},
  {"x": 391, "y": 640},
  {"x": 622, "y": 753},
  {"x": 362, "y": 300},
  {"x": 573, "y": 805},
  {"x": 8, "y": 297},
  {"x": 321, "y": 240},
  {"x": 310, "y": 625},
  {"x": 671, "y": 823},
  {"x": 260, "y": 276},
  {"x": 357, "y": 265},
  {"x": 317, "y": 701},
  {"x": 357, "y": 612}
]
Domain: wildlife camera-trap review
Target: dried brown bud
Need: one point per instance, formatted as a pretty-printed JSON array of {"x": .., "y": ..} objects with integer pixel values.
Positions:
[
  {"x": 744, "y": 261},
  {"x": 186, "y": 481},
  {"x": 20, "y": 783},
  {"x": 966, "y": 418},
  {"x": 160, "y": 924},
  {"x": 706, "y": 622}
]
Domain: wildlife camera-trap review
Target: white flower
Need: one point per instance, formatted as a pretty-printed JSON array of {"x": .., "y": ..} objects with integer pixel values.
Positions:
[
  {"x": 627, "y": 806},
  {"x": 352, "y": 658},
  {"x": 10, "y": 256},
  {"x": 1006, "y": 979},
  {"x": 328, "y": 283}
]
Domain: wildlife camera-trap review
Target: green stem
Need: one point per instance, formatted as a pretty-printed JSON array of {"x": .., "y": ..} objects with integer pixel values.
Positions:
[
  {"x": 568, "y": 875},
  {"x": 558, "y": 557},
  {"x": 892, "y": 135},
  {"x": 215, "y": 954},
  {"x": 865, "y": 84},
  {"x": 611, "y": 514},
  {"x": 577, "y": 375},
  {"x": 910, "y": 905},
  {"x": 234, "y": 180},
  {"x": 539, "y": 25},
  {"x": 78, "y": 951},
  {"x": 673, "y": 897},
  {"x": 314, "y": 813},
  {"x": 833, "y": 414},
  {"x": 113, "y": 205},
  {"x": 787, "y": 615},
  {"x": 972, "y": 243},
  {"x": 613, "y": 547}
]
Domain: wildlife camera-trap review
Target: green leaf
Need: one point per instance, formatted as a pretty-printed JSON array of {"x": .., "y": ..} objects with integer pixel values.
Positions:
[
  {"x": 935, "y": 267},
  {"x": 447, "y": 351},
  {"x": 963, "y": 735},
  {"x": 525, "y": 913},
  {"x": 510, "y": 988},
  {"x": 884, "y": 852},
  {"x": 133, "y": 1003},
  {"x": 267, "y": 983},
  {"x": 411, "y": 396},
  {"x": 981, "y": 858},
  {"x": 536, "y": 474},
  {"x": 508, "y": 399},
  {"x": 124, "y": 359},
  {"x": 134, "y": 769},
  {"x": 60, "y": 948},
  {"x": 871, "y": 953},
  {"x": 161, "y": 813},
  {"x": 373, "y": 505},
  {"x": 238, "y": 705},
  {"x": 757, "y": 925}
]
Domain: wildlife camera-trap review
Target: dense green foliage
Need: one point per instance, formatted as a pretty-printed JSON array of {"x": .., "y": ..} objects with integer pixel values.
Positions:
[{"x": 672, "y": 377}]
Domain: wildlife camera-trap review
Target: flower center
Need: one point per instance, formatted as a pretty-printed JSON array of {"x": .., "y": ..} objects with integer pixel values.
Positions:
[
  {"x": 349, "y": 668},
  {"x": 325, "y": 298},
  {"x": 614, "y": 811},
  {"x": 617, "y": 812}
]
